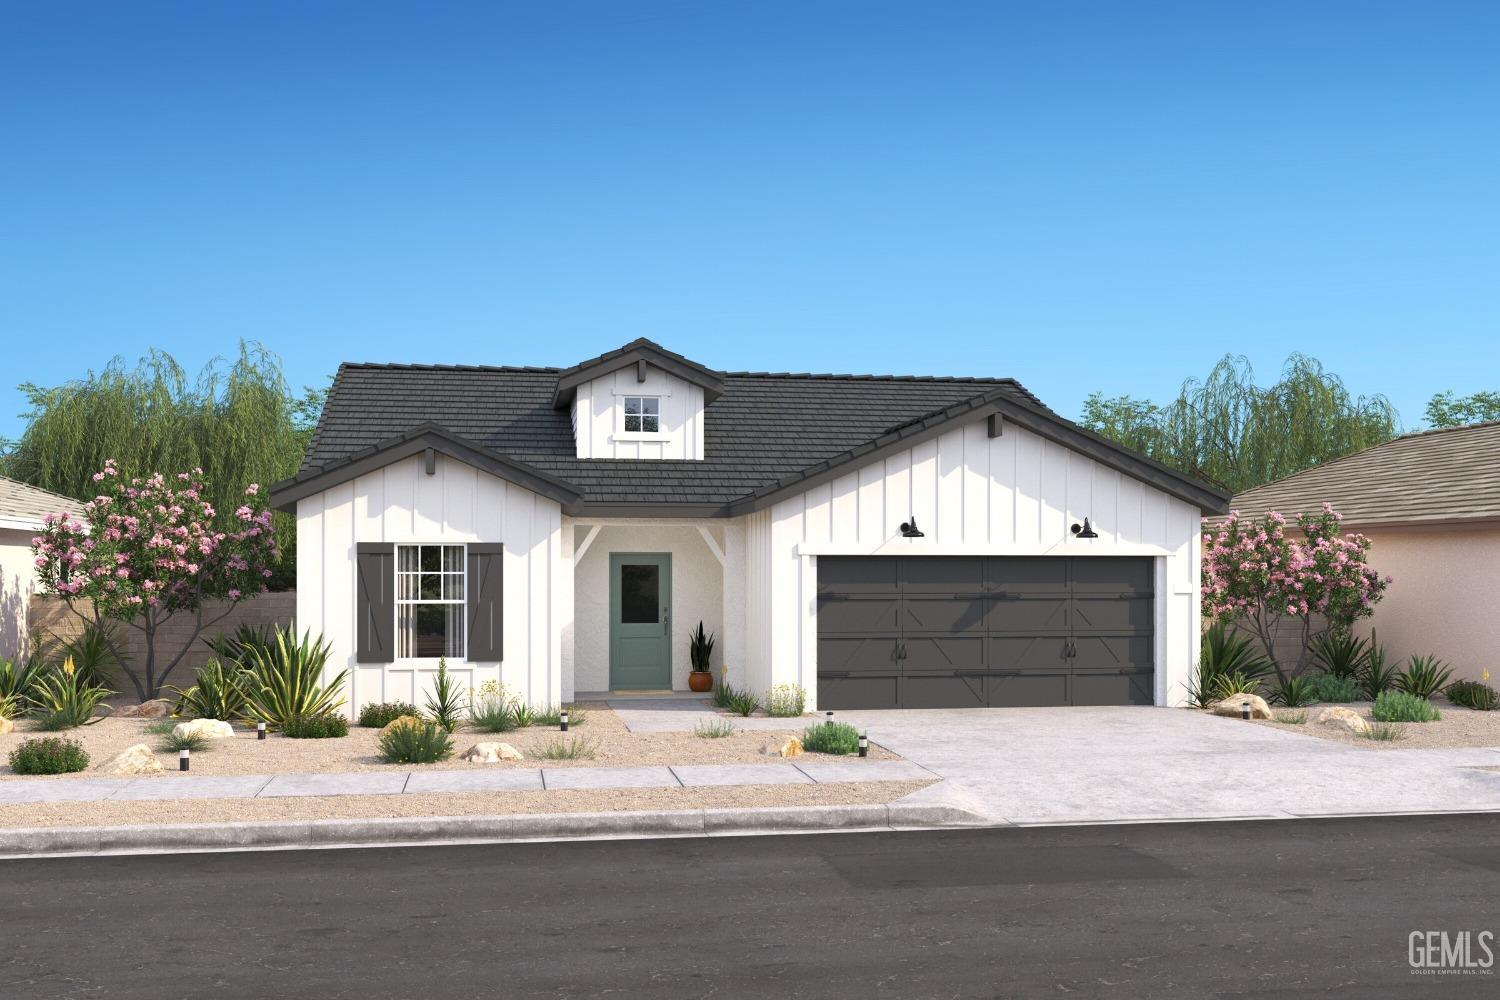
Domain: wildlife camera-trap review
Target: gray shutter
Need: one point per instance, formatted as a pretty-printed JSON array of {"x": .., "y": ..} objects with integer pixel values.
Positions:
[
  {"x": 375, "y": 600},
  {"x": 486, "y": 590}
]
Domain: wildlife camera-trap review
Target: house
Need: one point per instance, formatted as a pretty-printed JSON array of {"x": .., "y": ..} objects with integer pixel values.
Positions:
[
  {"x": 883, "y": 542},
  {"x": 22, "y": 508},
  {"x": 1430, "y": 504}
]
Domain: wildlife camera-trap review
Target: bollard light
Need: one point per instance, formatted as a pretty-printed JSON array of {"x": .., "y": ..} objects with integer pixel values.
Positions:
[
  {"x": 864, "y": 743},
  {"x": 562, "y": 720},
  {"x": 1245, "y": 710},
  {"x": 183, "y": 757},
  {"x": 830, "y": 719},
  {"x": 260, "y": 730}
]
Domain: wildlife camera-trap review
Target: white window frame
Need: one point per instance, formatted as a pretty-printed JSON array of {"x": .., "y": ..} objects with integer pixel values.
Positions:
[
  {"x": 643, "y": 397},
  {"x": 460, "y": 602}
]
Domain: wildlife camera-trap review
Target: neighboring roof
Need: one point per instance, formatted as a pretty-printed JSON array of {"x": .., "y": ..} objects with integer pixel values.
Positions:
[
  {"x": 637, "y": 352},
  {"x": 767, "y": 435},
  {"x": 1431, "y": 477},
  {"x": 23, "y": 506}
]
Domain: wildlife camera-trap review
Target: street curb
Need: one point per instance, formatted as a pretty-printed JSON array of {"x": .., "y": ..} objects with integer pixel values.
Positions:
[{"x": 435, "y": 830}]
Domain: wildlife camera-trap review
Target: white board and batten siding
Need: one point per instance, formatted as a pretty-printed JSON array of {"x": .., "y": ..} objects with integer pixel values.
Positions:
[
  {"x": 1015, "y": 494},
  {"x": 599, "y": 405},
  {"x": 458, "y": 504}
]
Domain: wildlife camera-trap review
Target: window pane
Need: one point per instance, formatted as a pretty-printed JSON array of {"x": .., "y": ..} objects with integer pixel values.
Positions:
[
  {"x": 432, "y": 586},
  {"x": 406, "y": 586},
  {"x": 650, "y": 405},
  {"x": 432, "y": 558},
  {"x": 436, "y": 629},
  {"x": 639, "y": 587},
  {"x": 453, "y": 558},
  {"x": 649, "y": 424},
  {"x": 406, "y": 556},
  {"x": 632, "y": 423},
  {"x": 453, "y": 586},
  {"x": 632, "y": 404}
]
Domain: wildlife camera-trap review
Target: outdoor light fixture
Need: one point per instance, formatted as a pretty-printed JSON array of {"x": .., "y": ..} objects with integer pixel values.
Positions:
[
  {"x": 1245, "y": 710},
  {"x": 182, "y": 759},
  {"x": 829, "y": 722},
  {"x": 562, "y": 720},
  {"x": 1085, "y": 530},
  {"x": 909, "y": 529},
  {"x": 260, "y": 730},
  {"x": 864, "y": 743}
]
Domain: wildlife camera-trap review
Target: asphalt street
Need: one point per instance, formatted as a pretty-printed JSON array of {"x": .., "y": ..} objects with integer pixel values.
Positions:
[{"x": 1262, "y": 909}]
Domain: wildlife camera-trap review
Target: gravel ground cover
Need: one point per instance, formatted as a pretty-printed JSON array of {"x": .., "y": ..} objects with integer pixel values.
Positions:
[{"x": 1459, "y": 727}]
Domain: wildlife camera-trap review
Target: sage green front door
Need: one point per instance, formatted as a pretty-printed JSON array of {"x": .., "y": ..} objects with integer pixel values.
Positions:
[{"x": 640, "y": 621}]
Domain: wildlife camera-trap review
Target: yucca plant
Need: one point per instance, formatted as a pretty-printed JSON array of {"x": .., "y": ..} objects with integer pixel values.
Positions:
[
  {"x": 18, "y": 680},
  {"x": 1378, "y": 676},
  {"x": 65, "y": 699},
  {"x": 1228, "y": 664},
  {"x": 91, "y": 654},
  {"x": 1294, "y": 692},
  {"x": 284, "y": 680},
  {"x": 445, "y": 706},
  {"x": 1340, "y": 654},
  {"x": 218, "y": 694},
  {"x": 1424, "y": 676}
]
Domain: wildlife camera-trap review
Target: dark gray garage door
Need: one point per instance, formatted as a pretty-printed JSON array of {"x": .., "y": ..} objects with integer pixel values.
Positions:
[{"x": 956, "y": 632}]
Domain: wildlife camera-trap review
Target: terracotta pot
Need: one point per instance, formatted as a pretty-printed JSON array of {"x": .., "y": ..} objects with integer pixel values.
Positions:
[{"x": 700, "y": 681}]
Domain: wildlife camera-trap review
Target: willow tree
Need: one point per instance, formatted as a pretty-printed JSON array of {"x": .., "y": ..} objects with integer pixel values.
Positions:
[
  {"x": 237, "y": 421},
  {"x": 1227, "y": 430}
]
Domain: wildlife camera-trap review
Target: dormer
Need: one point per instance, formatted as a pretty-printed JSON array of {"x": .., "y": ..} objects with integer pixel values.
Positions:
[{"x": 641, "y": 401}]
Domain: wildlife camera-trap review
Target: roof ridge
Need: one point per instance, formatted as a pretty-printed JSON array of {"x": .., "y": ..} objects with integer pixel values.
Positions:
[
  {"x": 996, "y": 379},
  {"x": 1446, "y": 430},
  {"x": 420, "y": 366}
]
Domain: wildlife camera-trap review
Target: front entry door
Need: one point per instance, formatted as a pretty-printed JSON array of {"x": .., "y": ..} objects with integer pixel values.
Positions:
[{"x": 640, "y": 621}]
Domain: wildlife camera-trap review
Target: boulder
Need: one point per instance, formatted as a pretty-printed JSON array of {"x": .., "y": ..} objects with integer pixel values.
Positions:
[
  {"x": 210, "y": 729},
  {"x": 136, "y": 760},
  {"x": 1343, "y": 718},
  {"x": 400, "y": 722},
  {"x": 156, "y": 708},
  {"x": 7, "y": 725},
  {"x": 491, "y": 753},
  {"x": 789, "y": 747},
  {"x": 1231, "y": 706}
]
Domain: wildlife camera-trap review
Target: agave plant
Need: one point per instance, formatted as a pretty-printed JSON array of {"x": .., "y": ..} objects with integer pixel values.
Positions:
[
  {"x": 218, "y": 694},
  {"x": 1378, "y": 675},
  {"x": 284, "y": 679},
  {"x": 232, "y": 647},
  {"x": 1341, "y": 654},
  {"x": 64, "y": 698},
  {"x": 1227, "y": 665},
  {"x": 1294, "y": 692},
  {"x": 18, "y": 680},
  {"x": 1424, "y": 676}
]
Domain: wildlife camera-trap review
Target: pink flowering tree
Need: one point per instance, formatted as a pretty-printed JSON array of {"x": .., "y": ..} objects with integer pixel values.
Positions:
[
  {"x": 1262, "y": 572},
  {"x": 146, "y": 551}
]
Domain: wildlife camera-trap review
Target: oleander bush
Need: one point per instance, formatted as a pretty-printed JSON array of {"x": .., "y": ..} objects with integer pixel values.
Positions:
[
  {"x": 1402, "y": 706},
  {"x": 379, "y": 714},
  {"x": 329, "y": 725},
  {"x": 830, "y": 737},
  {"x": 49, "y": 755},
  {"x": 1473, "y": 694},
  {"x": 410, "y": 740}
]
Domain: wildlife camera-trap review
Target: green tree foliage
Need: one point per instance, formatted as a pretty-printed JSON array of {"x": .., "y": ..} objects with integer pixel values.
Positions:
[
  {"x": 237, "y": 420},
  {"x": 1448, "y": 410},
  {"x": 1227, "y": 430}
]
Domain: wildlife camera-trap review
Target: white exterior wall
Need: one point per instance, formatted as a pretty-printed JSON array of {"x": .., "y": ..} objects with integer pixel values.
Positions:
[
  {"x": 599, "y": 406},
  {"x": 698, "y": 588},
  {"x": 971, "y": 494},
  {"x": 458, "y": 504},
  {"x": 17, "y": 584}
]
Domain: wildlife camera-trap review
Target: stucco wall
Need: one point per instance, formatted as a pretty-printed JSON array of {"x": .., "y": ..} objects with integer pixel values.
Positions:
[
  {"x": 458, "y": 504},
  {"x": 1444, "y": 597},
  {"x": 697, "y": 595},
  {"x": 17, "y": 584},
  {"x": 1016, "y": 494}
]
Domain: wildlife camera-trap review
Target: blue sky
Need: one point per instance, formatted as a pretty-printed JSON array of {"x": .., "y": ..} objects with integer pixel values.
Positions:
[{"x": 1085, "y": 196}]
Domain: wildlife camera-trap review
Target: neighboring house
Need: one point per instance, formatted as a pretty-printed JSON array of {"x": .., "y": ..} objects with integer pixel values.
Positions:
[
  {"x": 1430, "y": 503},
  {"x": 563, "y": 530},
  {"x": 22, "y": 508}
]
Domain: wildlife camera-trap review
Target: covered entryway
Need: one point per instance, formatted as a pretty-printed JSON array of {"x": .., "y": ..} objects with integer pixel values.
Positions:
[{"x": 959, "y": 631}]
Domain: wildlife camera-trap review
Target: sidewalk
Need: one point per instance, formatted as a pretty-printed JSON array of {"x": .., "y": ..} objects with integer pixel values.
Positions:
[{"x": 176, "y": 787}]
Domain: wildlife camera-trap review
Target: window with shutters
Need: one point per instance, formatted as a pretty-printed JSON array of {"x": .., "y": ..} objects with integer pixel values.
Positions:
[{"x": 429, "y": 601}]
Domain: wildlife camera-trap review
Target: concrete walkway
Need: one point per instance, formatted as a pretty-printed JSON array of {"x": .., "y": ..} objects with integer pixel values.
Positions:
[
  {"x": 261, "y": 786},
  {"x": 1094, "y": 765}
]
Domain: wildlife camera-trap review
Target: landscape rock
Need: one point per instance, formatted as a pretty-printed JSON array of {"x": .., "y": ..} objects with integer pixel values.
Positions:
[
  {"x": 211, "y": 729},
  {"x": 491, "y": 753},
  {"x": 7, "y": 725},
  {"x": 136, "y": 760},
  {"x": 789, "y": 747},
  {"x": 156, "y": 708},
  {"x": 1230, "y": 707},
  {"x": 1344, "y": 718}
]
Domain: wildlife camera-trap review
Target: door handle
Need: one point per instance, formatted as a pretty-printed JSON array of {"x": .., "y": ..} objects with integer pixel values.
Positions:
[{"x": 666, "y": 620}]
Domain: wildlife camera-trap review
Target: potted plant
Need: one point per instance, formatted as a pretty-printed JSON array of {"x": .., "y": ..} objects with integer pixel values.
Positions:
[{"x": 700, "y": 649}]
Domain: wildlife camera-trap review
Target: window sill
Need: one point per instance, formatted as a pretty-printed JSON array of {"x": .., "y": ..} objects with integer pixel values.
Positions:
[{"x": 641, "y": 436}]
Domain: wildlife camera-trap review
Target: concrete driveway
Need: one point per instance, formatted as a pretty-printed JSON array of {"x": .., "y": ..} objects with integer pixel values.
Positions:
[{"x": 1097, "y": 765}]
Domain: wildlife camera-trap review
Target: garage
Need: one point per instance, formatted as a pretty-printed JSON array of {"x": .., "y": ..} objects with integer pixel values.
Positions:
[{"x": 962, "y": 632}]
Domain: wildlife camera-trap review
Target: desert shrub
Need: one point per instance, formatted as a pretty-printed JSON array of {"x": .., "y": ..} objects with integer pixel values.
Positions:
[
  {"x": 565, "y": 748},
  {"x": 524, "y": 713},
  {"x": 329, "y": 725},
  {"x": 231, "y": 647},
  {"x": 786, "y": 701},
  {"x": 491, "y": 714},
  {"x": 1424, "y": 676},
  {"x": 1294, "y": 692},
  {"x": 552, "y": 716},
  {"x": 1473, "y": 694},
  {"x": 379, "y": 714},
  {"x": 91, "y": 654},
  {"x": 1291, "y": 718},
  {"x": 62, "y": 698},
  {"x": 410, "y": 740},
  {"x": 739, "y": 702},
  {"x": 721, "y": 693},
  {"x": 1402, "y": 706},
  {"x": 445, "y": 707},
  {"x": 160, "y": 727},
  {"x": 284, "y": 680},
  {"x": 1383, "y": 732},
  {"x": 1378, "y": 675},
  {"x": 191, "y": 742},
  {"x": 1336, "y": 687},
  {"x": 18, "y": 681},
  {"x": 49, "y": 755},
  {"x": 1341, "y": 654},
  {"x": 1228, "y": 664},
  {"x": 830, "y": 737},
  {"x": 714, "y": 729},
  {"x": 219, "y": 693}
]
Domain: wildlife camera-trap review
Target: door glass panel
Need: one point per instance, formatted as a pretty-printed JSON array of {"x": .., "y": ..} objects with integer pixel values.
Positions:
[{"x": 640, "y": 590}]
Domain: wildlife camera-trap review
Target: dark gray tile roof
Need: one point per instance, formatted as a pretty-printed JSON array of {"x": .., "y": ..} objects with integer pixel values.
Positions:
[{"x": 764, "y": 428}]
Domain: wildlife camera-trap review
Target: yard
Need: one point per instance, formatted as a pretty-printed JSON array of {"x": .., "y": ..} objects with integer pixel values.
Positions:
[{"x": 1458, "y": 727}]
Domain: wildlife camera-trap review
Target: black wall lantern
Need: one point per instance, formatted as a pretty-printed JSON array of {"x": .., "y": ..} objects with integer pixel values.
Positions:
[
  {"x": 1085, "y": 530},
  {"x": 910, "y": 530}
]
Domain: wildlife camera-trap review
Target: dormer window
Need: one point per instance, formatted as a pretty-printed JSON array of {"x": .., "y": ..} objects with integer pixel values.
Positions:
[{"x": 642, "y": 414}]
